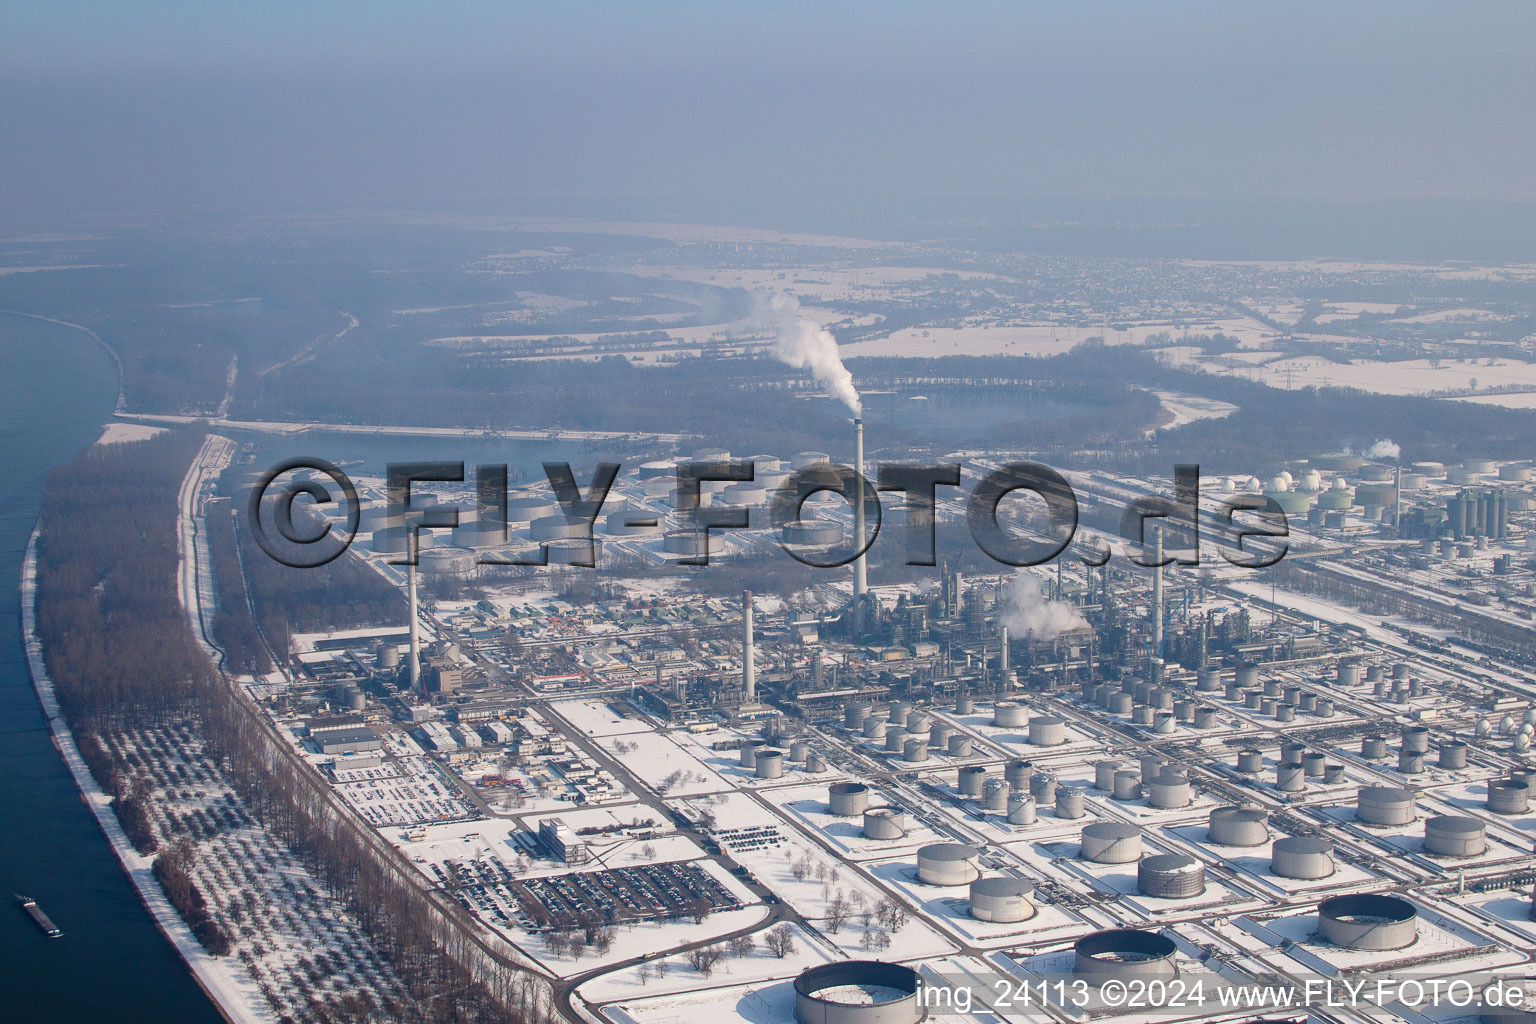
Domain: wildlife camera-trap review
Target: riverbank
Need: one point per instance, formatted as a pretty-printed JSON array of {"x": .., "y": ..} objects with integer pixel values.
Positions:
[{"x": 235, "y": 997}]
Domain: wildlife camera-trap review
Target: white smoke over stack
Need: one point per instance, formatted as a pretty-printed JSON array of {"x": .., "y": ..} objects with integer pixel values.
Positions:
[
  {"x": 1384, "y": 449},
  {"x": 1028, "y": 612},
  {"x": 802, "y": 342}
]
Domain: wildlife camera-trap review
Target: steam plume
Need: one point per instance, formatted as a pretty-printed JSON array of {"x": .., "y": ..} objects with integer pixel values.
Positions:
[
  {"x": 1384, "y": 449},
  {"x": 1028, "y": 612},
  {"x": 802, "y": 342}
]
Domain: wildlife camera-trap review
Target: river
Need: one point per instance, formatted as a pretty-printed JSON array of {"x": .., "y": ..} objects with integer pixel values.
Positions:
[{"x": 57, "y": 388}]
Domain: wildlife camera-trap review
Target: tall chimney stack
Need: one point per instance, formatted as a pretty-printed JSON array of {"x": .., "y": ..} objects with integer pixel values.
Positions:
[
  {"x": 1003, "y": 655},
  {"x": 860, "y": 585},
  {"x": 1157, "y": 596},
  {"x": 1397, "y": 493},
  {"x": 414, "y": 663},
  {"x": 748, "y": 669}
]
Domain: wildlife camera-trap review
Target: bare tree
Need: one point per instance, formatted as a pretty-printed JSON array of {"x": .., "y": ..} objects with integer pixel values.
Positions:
[
  {"x": 780, "y": 941},
  {"x": 743, "y": 945},
  {"x": 704, "y": 958},
  {"x": 837, "y": 912}
]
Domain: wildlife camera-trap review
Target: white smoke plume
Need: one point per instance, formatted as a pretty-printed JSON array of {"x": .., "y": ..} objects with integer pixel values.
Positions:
[
  {"x": 802, "y": 342},
  {"x": 1028, "y": 612},
  {"x": 1384, "y": 449}
]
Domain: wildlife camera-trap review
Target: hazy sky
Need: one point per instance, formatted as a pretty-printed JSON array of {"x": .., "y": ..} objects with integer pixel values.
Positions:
[{"x": 718, "y": 107}]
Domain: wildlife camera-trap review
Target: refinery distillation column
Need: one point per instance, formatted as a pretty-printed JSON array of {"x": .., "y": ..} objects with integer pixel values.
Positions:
[
  {"x": 748, "y": 669},
  {"x": 859, "y": 583}
]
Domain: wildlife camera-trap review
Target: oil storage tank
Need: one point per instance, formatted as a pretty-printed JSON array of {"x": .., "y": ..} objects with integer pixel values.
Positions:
[
  {"x": 1002, "y": 899},
  {"x": 1010, "y": 715},
  {"x": 1238, "y": 826},
  {"x": 1170, "y": 876},
  {"x": 1368, "y": 921},
  {"x": 1302, "y": 857},
  {"x": 1047, "y": 731},
  {"x": 970, "y": 779},
  {"x": 1124, "y": 954},
  {"x": 848, "y": 799},
  {"x": 858, "y": 992},
  {"x": 885, "y": 823},
  {"x": 1111, "y": 842},
  {"x": 948, "y": 864},
  {"x": 1455, "y": 835},
  {"x": 1384, "y": 805}
]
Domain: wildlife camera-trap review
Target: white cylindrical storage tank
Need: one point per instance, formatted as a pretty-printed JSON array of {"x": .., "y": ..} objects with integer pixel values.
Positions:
[
  {"x": 1410, "y": 762},
  {"x": 1508, "y": 797},
  {"x": 1302, "y": 857},
  {"x": 895, "y": 739},
  {"x": 965, "y": 705},
  {"x": 1043, "y": 788},
  {"x": 1373, "y": 748},
  {"x": 1009, "y": 714},
  {"x": 848, "y": 799},
  {"x": 918, "y": 722},
  {"x": 1250, "y": 762},
  {"x": 1333, "y": 774},
  {"x": 1313, "y": 764},
  {"x": 959, "y": 746},
  {"x": 1124, "y": 955},
  {"x": 770, "y": 764},
  {"x": 1290, "y": 777},
  {"x": 1127, "y": 786},
  {"x": 1002, "y": 899},
  {"x": 938, "y": 735},
  {"x": 1017, "y": 773},
  {"x": 1455, "y": 835},
  {"x": 858, "y": 992},
  {"x": 874, "y": 729},
  {"x": 914, "y": 751},
  {"x": 1384, "y": 805},
  {"x": 1104, "y": 774},
  {"x": 948, "y": 864},
  {"x": 970, "y": 780},
  {"x": 1111, "y": 842},
  {"x": 994, "y": 795},
  {"x": 1069, "y": 802},
  {"x": 1205, "y": 718},
  {"x": 1047, "y": 731},
  {"x": 815, "y": 763},
  {"x": 1170, "y": 876},
  {"x": 1120, "y": 704},
  {"x": 1152, "y": 765},
  {"x": 1238, "y": 826},
  {"x": 1415, "y": 739},
  {"x": 884, "y": 823},
  {"x": 1168, "y": 790},
  {"x": 1209, "y": 680},
  {"x": 1247, "y": 676},
  {"x": 1141, "y": 715},
  {"x": 556, "y": 527},
  {"x": 747, "y": 756},
  {"x": 855, "y": 714},
  {"x": 805, "y": 460},
  {"x": 1021, "y": 809},
  {"x": 1370, "y": 921},
  {"x": 798, "y": 750},
  {"x": 1453, "y": 755}
]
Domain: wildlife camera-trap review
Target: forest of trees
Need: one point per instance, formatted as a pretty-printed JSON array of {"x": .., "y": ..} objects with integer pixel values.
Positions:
[
  {"x": 115, "y": 640},
  {"x": 122, "y": 655}
]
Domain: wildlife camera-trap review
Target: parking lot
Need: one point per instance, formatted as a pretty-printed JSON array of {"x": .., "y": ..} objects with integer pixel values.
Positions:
[
  {"x": 650, "y": 892},
  {"x": 756, "y": 837},
  {"x": 406, "y": 791}
]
